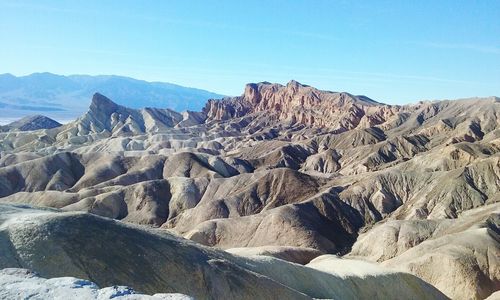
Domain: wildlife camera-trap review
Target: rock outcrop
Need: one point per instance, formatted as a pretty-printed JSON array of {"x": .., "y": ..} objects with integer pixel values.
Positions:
[
  {"x": 30, "y": 123},
  {"x": 301, "y": 104},
  {"x": 468, "y": 246}
]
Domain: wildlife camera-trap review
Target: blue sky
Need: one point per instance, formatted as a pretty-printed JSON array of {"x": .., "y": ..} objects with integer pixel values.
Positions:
[{"x": 392, "y": 51}]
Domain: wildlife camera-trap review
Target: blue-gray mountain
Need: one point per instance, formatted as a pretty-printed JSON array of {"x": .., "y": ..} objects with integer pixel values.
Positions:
[{"x": 67, "y": 97}]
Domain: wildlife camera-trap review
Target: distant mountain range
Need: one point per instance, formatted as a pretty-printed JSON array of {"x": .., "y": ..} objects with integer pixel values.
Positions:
[{"x": 66, "y": 97}]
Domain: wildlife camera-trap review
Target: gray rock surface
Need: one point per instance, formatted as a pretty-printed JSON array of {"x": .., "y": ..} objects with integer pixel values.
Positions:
[{"x": 31, "y": 123}]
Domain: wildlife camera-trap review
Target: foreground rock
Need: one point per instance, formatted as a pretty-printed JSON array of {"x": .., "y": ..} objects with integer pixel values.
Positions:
[
  {"x": 24, "y": 284},
  {"x": 467, "y": 249},
  {"x": 109, "y": 252}
]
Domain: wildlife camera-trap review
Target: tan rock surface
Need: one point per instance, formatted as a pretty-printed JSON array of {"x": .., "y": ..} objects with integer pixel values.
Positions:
[
  {"x": 286, "y": 166},
  {"x": 459, "y": 256},
  {"x": 299, "y": 255},
  {"x": 110, "y": 252}
]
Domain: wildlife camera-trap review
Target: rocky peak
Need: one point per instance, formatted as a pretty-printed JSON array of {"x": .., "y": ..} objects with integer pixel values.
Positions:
[
  {"x": 301, "y": 104},
  {"x": 33, "y": 123},
  {"x": 294, "y": 86},
  {"x": 109, "y": 118},
  {"x": 252, "y": 93},
  {"x": 103, "y": 115},
  {"x": 102, "y": 104}
]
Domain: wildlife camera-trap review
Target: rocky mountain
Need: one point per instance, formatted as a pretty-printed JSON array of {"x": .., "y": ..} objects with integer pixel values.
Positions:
[
  {"x": 285, "y": 171},
  {"x": 297, "y": 103},
  {"x": 66, "y": 97},
  {"x": 31, "y": 123}
]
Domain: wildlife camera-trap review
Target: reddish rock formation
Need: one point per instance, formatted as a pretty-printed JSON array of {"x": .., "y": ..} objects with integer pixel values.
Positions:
[{"x": 303, "y": 104}]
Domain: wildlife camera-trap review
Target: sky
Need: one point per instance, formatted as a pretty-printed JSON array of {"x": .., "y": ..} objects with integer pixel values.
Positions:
[{"x": 392, "y": 51}]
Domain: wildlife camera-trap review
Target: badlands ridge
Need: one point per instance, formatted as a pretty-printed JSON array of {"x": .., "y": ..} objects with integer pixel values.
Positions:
[{"x": 283, "y": 177}]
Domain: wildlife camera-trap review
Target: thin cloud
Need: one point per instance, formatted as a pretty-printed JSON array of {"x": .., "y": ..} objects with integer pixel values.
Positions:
[
  {"x": 182, "y": 22},
  {"x": 471, "y": 47},
  {"x": 373, "y": 76},
  {"x": 40, "y": 7}
]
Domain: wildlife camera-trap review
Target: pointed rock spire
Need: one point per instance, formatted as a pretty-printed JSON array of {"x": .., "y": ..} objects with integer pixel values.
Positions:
[{"x": 102, "y": 105}]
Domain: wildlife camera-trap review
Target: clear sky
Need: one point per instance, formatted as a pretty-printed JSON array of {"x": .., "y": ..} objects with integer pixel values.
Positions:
[{"x": 392, "y": 51}]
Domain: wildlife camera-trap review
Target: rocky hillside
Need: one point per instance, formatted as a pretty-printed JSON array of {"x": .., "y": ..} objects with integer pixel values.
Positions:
[
  {"x": 31, "y": 123},
  {"x": 153, "y": 261},
  {"x": 285, "y": 166},
  {"x": 301, "y": 104}
]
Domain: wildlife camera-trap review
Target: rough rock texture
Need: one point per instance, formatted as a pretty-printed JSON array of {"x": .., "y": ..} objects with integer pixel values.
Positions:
[
  {"x": 285, "y": 166},
  {"x": 107, "y": 252},
  {"x": 321, "y": 223},
  {"x": 302, "y": 104},
  {"x": 24, "y": 284},
  {"x": 299, "y": 255},
  {"x": 32, "y": 123},
  {"x": 468, "y": 247}
]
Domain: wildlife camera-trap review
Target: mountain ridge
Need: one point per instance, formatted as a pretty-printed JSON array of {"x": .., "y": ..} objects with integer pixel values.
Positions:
[
  {"x": 298, "y": 103},
  {"x": 247, "y": 174},
  {"x": 66, "y": 97},
  {"x": 30, "y": 123}
]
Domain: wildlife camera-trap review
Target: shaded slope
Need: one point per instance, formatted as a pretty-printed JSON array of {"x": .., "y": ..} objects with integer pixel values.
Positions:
[{"x": 110, "y": 252}]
